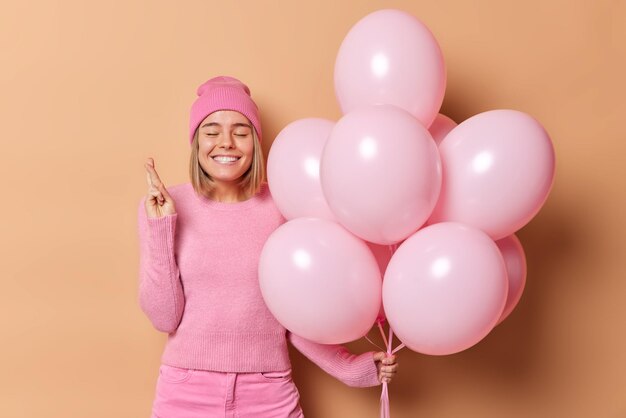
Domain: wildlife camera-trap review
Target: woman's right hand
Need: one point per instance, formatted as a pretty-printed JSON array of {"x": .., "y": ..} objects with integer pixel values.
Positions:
[{"x": 159, "y": 203}]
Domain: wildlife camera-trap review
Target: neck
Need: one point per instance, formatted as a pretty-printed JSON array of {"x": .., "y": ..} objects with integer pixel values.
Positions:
[{"x": 228, "y": 193}]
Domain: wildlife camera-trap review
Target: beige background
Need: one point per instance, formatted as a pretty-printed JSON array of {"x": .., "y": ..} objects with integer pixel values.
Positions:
[{"x": 90, "y": 89}]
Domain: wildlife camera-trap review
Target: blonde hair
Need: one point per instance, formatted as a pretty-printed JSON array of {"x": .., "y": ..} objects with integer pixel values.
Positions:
[{"x": 249, "y": 183}]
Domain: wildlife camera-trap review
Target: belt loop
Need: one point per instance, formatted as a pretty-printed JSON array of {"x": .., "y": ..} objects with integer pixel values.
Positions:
[{"x": 229, "y": 406}]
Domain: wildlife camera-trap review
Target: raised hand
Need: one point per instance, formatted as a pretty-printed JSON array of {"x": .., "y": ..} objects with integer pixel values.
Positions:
[{"x": 158, "y": 202}]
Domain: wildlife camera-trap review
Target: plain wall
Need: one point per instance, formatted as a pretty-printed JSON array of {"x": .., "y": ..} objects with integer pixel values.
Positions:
[{"x": 89, "y": 90}]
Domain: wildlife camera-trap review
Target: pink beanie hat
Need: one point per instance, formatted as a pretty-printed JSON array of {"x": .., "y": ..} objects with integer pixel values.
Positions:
[{"x": 223, "y": 93}]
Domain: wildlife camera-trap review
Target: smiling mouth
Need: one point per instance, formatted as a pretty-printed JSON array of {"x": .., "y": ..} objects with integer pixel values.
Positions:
[{"x": 222, "y": 159}]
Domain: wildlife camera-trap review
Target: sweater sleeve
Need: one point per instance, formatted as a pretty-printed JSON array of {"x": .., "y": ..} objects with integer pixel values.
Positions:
[
  {"x": 161, "y": 295},
  {"x": 336, "y": 360}
]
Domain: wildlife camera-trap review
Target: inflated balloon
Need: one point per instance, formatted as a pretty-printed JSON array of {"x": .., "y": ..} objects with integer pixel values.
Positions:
[
  {"x": 441, "y": 126},
  {"x": 390, "y": 56},
  {"x": 293, "y": 169},
  {"x": 445, "y": 288},
  {"x": 380, "y": 173},
  {"x": 320, "y": 281},
  {"x": 498, "y": 168},
  {"x": 515, "y": 261}
]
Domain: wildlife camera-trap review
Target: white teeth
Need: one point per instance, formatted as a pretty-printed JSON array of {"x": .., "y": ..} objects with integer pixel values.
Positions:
[{"x": 222, "y": 159}]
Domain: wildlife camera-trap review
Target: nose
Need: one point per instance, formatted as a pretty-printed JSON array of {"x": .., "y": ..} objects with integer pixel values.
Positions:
[{"x": 227, "y": 142}]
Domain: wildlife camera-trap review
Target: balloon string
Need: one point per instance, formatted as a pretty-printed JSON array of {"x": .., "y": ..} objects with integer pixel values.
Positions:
[
  {"x": 384, "y": 396},
  {"x": 373, "y": 343},
  {"x": 398, "y": 348},
  {"x": 382, "y": 332},
  {"x": 384, "y": 402}
]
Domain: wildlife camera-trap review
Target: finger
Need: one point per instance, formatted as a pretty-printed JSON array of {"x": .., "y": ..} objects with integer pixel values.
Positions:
[
  {"x": 152, "y": 186},
  {"x": 389, "y": 360},
  {"x": 379, "y": 356},
  {"x": 154, "y": 178},
  {"x": 149, "y": 163},
  {"x": 159, "y": 193},
  {"x": 387, "y": 369},
  {"x": 154, "y": 196},
  {"x": 154, "y": 193},
  {"x": 164, "y": 192},
  {"x": 388, "y": 373}
]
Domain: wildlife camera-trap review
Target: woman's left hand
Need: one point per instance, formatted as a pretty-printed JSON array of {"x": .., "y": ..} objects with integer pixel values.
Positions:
[{"x": 386, "y": 366}]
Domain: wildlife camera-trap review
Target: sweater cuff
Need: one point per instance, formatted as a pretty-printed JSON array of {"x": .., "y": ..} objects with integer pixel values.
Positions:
[
  {"x": 365, "y": 366},
  {"x": 335, "y": 359},
  {"x": 161, "y": 233}
]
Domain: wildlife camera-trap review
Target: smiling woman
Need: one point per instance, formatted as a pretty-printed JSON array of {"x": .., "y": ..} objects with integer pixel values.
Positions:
[{"x": 199, "y": 277}]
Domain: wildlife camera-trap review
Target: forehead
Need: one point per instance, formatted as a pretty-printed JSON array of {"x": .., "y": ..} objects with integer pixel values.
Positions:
[{"x": 225, "y": 117}]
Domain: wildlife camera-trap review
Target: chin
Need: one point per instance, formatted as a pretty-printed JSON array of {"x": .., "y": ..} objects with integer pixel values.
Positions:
[
  {"x": 222, "y": 179},
  {"x": 224, "y": 174}
]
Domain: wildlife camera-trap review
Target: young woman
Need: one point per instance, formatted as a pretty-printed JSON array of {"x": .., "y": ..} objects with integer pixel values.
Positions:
[{"x": 200, "y": 242}]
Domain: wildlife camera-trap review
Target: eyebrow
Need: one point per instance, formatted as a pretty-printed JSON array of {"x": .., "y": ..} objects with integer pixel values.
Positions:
[{"x": 234, "y": 124}]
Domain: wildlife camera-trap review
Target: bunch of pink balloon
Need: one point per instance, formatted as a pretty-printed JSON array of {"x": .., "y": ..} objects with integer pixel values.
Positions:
[{"x": 394, "y": 173}]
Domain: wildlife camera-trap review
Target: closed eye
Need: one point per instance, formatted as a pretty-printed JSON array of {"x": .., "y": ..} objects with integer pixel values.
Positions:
[{"x": 240, "y": 135}]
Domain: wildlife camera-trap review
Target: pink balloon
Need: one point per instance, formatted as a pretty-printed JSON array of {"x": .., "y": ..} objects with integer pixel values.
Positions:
[
  {"x": 390, "y": 56},
  {"x": 515, "y": 261},
  {"x": 293, "y": 169},
  {"x": 498, "y": 168},
  {"x": 445, "y": 288},
  {"x": 380, "y": 173},
  {"x": 441, "y": 126},
  {"x": 320, "y": 281}
]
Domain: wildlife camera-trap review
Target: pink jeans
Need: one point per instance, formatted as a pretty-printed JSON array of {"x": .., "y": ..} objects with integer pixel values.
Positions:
[{"x": 190, "y": 393}]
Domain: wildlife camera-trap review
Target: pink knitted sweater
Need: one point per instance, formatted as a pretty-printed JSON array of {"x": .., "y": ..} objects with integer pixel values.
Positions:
[{"x": 198, "y": 281}]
